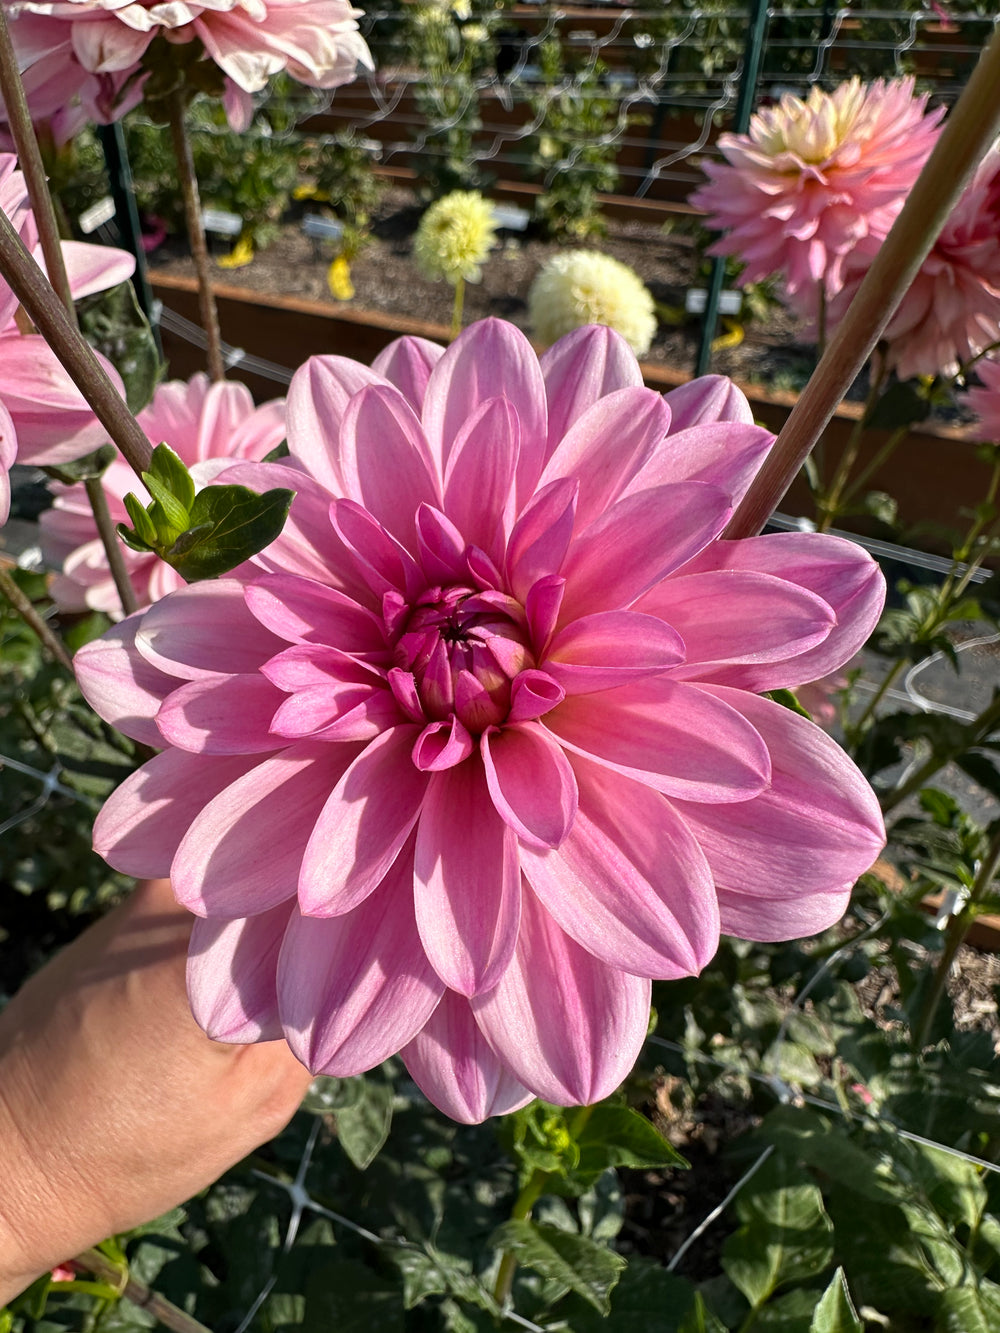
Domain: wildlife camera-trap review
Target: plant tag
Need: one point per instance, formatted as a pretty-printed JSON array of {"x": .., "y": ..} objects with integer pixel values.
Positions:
[
  {"x": 319, "y": 228},
  {"x": 511, "y": 216},
  {"x": 221, "y": 223},
  {"x": 696, "y": 298},
  {"x": 96, "y": 215}
]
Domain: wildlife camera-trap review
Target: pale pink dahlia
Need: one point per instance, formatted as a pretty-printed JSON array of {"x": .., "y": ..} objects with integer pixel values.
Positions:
[
  {"x": 985, "y": 401},
  {"x": 207, "y": 426},
  {"x": 813, "y": 177},
  {"x": 951, "y": 312},
  {"x": 477, "y": 747}
]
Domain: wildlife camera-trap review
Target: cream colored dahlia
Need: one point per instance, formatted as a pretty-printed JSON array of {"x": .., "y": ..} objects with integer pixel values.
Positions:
[
  {"x": 454, "y": 237},
  {"x": 580, "y": 287}
]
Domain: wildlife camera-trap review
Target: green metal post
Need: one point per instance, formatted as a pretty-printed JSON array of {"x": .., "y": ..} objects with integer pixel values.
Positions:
[{"x": 753, "y": 54}]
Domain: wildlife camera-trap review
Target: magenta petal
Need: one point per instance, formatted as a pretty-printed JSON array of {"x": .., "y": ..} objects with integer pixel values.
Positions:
[
  {"x": 723, "y": 454},
  {"x": 441, "y": 546},
  {"x": 639, "y": 541},
  {"x": 317, "y": 400},
  {"x": 567, "y": 1026},
  {"x": 142, "y": 822},
  {"x": 817, "y": 825},
  {"x": 709, "y": 398},
  {"x": 205, "y": 631},
  {"x": 491, "y": 359},
  {"x": 94, "y": 268},
  {"x": 383, "y": 563},
  {"x": 541, "y": 536},
  {"x": 407, "y": 363},
  {"x": 120, "y": 685},
  {"x": 602, "y": 651},
  {"x": 227, "y": 715},
  {"x": 303, "y": 611},
  {"x": 342, "y": 711},
  {"x": 749, "y": 917},
  {"x": 531, "y": 783},
  {"x": 606, "y": 446},
  {"x": 839, "y": 571},
  {"x": 728, "y": 616},
  {"x": 480, "y": 475},
  {"x": 243, "y": 852},
  {"x": 231, "y": 976},
  {"x": 455, "y": 1067},
  {"x": 385, "y": 461},
  {"x": 533, "y": 694},
  {"x": 630, "y": 883},
  {"x": 362, "y": 827},
  {"x": 467, "y": 884},
  {"x": 674, "y": 737},
  {"x": 307, "y": 664},
  {"x": 542, "y": 606},
  {"x": 353, "y": 989},
  {"x": 580, "y": 369},
  {"x": 442, "y": 745}
]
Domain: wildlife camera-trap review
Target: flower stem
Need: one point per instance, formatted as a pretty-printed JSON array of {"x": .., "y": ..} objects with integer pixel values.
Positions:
[
  {"x": 968, "y": 132},
  {"x": 46, "y": 312},
  {"x": 196, "y": 234},
  {"x": 22, "y": 605},
  {"x": 958, "y": 928},
  {"x": 456, "y": 313},
  {"x": 30, "y": 162},
  {"x": 109, "y": 540}
]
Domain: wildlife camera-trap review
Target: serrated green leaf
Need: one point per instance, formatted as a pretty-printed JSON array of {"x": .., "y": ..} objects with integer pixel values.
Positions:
[
  {"x": 618, "y": 1136},
  {"x": 573, "y": 1263},
  {"x": 422, "y": 1277},
  {"x": 970, "y": 1309},
  {"x": 835, "y": 1312},
  {"x": 229, "y": 524},
  {"x": 646, "y": 1297},
  {"x": 363, "y": 1126},
  {"x": 828, "y": 1147}
]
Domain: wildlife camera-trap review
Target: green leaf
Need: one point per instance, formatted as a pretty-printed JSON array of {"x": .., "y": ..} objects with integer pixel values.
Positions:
[
  {"x": 84, "y": 469},
  {"x": 647, "y": 1297},
  {"x": 788, "y": 700},
  {"x": 145, "y": 536},
  {"x": 363, "y": 1126},
  {"x": 277, "y": 453},
  {"x": 970, "y": 1309},
  {"x": 827, "y": 1147},
  {"x": 167, "y": 467},
  {"x": 700, "y": 1319},
  {"x": 229, "y": 524},
  {"x": 835, "y": 1312},
  {"x": 113, "y": 324},
  {"x": 571, "y": 1262},
  {"x": 348, "y": 1296},
  {"x": 902, "y": 404},
  {"x": 174, "y": 512},
  {"x": 618, "y": 1136}
]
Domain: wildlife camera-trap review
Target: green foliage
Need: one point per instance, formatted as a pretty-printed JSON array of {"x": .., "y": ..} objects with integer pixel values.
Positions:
[
  {"x": 206, "y": 534},
  {"x": 113, "y": 324}
]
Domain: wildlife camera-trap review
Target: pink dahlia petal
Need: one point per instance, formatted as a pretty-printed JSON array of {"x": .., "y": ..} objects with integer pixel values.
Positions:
[
  {"x": 630, "y": 883},
  {"x": 231, "y": 976},
  {"x": 489, "y": 360},
  {"x": 341, "y": 711},
  {"x": 363, "y": 826},
  {"x": 467, "y": 884},
  {"x": 394, "y": 478},
  {"x": 455, "y": 1067},
  {"x": 674, "y": 737},
  {"x": 730, "y": 616},
  {"x": 8, "y": 452},
  {"x": 120, "y": 684},
  {"x": 839, "y": 571},
  {"x": 224, "y": 715},
  {"x": 317, "y": 400},
  {"x": 142, "y": 822},
  {"x": 816, "y": 827},
  {"x": 602, "y": 651},
  {"x": 442, "y": 745},
  {"x": 637, "y": 542},
  {"x": 581, "y": 369},
  {"x": 607, "y": 445},
  {"x": 243, "y": 852},
  {"x": 407, "y": 363},
  {"x": 94, "y": 268},
  {"x": 531, "y": 783},
  {"x": 199, "y": 629},
  {"x": 355, "y": 988},
  {"x": 541, "y": 536},
  {"x": 723, "y": 454},
  {"x": 565, "y": 1024},
  {"x": 709, "y": 398},
  {"x": 480, "y": 475},
  {"x": 303, "y": 611},
  {"x": 382, "y": 562},
  {"x": 749, "y": 917}
]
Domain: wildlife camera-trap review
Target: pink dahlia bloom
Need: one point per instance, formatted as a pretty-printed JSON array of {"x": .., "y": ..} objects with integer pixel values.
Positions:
[
  {"x": 951, "y": 312},
  {"x": 207, "y": 426},
  {"x": 478, "y": 746},
  {"x": 985, "y": 401},
  {"x": 812, "y": 178}
]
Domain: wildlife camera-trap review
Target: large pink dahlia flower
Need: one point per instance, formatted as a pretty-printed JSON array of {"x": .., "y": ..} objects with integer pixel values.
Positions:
[
  {"x": 813, "y": 177},
  {"x": 207, "y": 426},
  {"x": 478, "y": 746}
]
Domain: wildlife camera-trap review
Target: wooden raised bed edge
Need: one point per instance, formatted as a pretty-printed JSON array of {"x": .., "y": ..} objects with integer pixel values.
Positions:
[{"x": 939, "y": 478}]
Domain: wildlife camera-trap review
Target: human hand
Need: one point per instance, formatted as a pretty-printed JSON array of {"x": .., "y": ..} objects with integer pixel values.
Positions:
[{"x": 114, "y": 1105}]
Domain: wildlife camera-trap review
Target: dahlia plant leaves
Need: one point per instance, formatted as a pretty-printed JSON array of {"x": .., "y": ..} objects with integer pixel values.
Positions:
[
  {"x": 348, "y": 1296},
  {"x": 616, "y": 1135},
  {"x": 363, "y": 1127},
  {"x": 112, "y": 323},
  {"x": 827, "y": 1147},
  {"x": 700, "y": 1318},
  {"x": 647, "y": 1296},
  {"x": 970, "y": 1309},
  {"x": 277, "y": 453},
  {"x": 835, "y": 1312},
  {"x": 84, "y": 469},
  {"x": 570, "y": 1262},
  {"x": 229, "y": 524},
  {"x": 904, "y": 403}
]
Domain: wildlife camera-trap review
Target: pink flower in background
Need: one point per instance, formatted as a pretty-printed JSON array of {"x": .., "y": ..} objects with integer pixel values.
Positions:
[
  {"x": 815, "y": 176},
  {"x": 951, "y": 312},
  {"x": 817, "y": 698},
  {"x": 985, "y": 401},
  {"x": 477, "y": 747},
  {"x": 207, "y": 426}
]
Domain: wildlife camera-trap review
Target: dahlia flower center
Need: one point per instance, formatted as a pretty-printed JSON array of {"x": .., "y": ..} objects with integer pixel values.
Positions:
[{"x": 463, "y": 648}]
